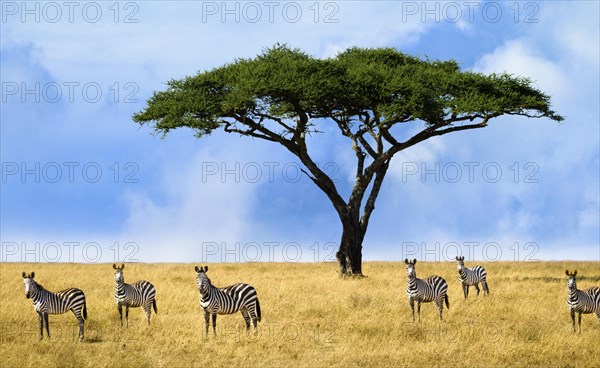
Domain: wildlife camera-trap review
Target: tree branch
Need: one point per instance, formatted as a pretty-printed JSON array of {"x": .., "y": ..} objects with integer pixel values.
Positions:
[
  {"x": 267, "y": 134},
  {"x": 366, "y": 145},
  {"x": 229, "y": 128},
  {"x": 387, "y": 136},
  {"x": 275, "y": 119},
  {"x": 370, "y": 205},
  {"x": 428, "y": 133},
  {"x": 298, "y": 148}
]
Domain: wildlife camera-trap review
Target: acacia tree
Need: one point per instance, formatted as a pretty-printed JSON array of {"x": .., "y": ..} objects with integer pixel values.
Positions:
[{"x": 381, "y": 100}]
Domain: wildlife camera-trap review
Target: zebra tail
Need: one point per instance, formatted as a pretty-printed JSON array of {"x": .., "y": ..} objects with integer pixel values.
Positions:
[
  {"x": 154, "y": 306},
  {"x": 84, "y": 310},
  {"x": 447, "y": 302},
  {"x": 258, "y": 310},
  {"x": 486, "y": 288}
]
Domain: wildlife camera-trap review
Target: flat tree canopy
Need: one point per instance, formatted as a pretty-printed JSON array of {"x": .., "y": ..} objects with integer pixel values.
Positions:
[{"x": 376, "y": 97}]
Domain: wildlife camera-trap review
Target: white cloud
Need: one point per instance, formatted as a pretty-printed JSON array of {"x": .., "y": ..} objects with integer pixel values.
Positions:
[
  {"x": 521, "y": 222},
  {"x": 425, "y": 154},
  {"x": 518, "y": 57},
  {"x": 589, "y": 215},
  {"x": 569, "y": 249},
  {"x": 154, "y": 51},
  {"x": 170, "y": 218},
  {"x": 193, "y": 204},
  {"x": 564, "y": 157},
  {"x": 574, "y": 30}
]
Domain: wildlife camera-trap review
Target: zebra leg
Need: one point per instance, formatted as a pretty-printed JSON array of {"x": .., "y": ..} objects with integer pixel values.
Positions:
[
  {"x": 254, "y": 317},
  {"x": 412, "y": 307},
  {"x": 440, "y": 306},
  {"x": 41, "y": 319},
  {"x": 206, "y": 320},
  {"x": 120, "y": 308},
  {"x": 81, "y": 329},
  {"x": 573, "y": 319},
  {"x": 465, "y": 290},
  {"x": 580, "y": 323},
  {"x": 48, "y": 326},
  {"x": 80, "y": 320},
  {"x": 147, "y": 310},
  {"x": 126, "y": 316},
  {"x": 477, "y": 288},
  {"x": 486, "y": 289},
  {"x": 419, "y": 310},
  {"x": 214, "y": 320},
  {"x": 247, "y": 318}
]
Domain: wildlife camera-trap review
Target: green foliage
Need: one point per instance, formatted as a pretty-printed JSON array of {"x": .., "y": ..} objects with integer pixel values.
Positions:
[{"x": 284, "y": 83}]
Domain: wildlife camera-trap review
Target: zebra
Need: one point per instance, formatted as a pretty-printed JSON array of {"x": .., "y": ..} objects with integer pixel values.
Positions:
[
  {"x": 471, "y": 277},
  {"x": 227, "y": 300},
  {"x": 582, "y": 301},
  {"x": 46, "y": 302},
  {"x": 139, "y": 294},
  {"x": 431, "y": 289}
]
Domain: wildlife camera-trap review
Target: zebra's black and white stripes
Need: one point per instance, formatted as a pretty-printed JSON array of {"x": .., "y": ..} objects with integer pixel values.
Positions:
[
  {"x": 227, "y": 300},
  {"x": 432, "y": 289},
  {"x": 46, "y": 302},
  {"x": 582, "y": 301},
  {"x": 471, "y": 277},
  {"x": 139, "y": 294}
]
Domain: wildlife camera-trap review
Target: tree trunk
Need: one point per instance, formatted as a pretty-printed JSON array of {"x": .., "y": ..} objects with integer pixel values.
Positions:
[
  {"x": 349, "y": 255},
  {"x": 354, "y": 227}
]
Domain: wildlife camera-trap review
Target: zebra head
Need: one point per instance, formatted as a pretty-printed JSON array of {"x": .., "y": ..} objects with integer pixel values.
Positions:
[
  {"x": 201, "y": 279},
  {"x": 571, "y": 282},
  {"x": 461, "y": 262},
  {"x": 410, "y": 268},
  {"x": 30, "y": 284},
  {"x": 119, "y": 278}
]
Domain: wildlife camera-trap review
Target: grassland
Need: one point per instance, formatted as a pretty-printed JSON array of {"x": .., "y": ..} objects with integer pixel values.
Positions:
[{"x": 311, "y": 318}]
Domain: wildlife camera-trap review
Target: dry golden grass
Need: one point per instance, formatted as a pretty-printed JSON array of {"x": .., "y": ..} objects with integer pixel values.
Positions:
[{"x": 311, "y": 318}]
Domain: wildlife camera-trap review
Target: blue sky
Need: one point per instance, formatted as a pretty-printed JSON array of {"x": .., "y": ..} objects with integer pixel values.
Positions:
[{"x": 81, "y": 182}]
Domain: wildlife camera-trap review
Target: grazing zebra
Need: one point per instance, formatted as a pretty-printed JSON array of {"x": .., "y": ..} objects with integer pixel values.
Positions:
[
  {"x": 431, "y": 289},
  {"x": 138, "y": 294},
  {"x": 582, "y": 301},
  {"x": 46, "y": 302},
  {"x": 471, "y": 277},
  {"x": 227, "y": 300}
]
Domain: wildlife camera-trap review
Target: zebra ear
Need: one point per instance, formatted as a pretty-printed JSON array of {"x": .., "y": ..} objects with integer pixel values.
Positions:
[
  {"x": 406, "y": 260},
  {"x": 24, "y": 275},
  {"x": 457, "y": 258},
  {"x": 574, "y": 273},
  {"x": 567, "y": 272},
  {"x": 196, "y": 269},
  {"x": 205, "y": 269},
  {"x": 415, "y": 261},
  {"x": 33, "y": 274},
  {"x": 122, "y": 265},
  {"x": 114, "y": 266}
]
